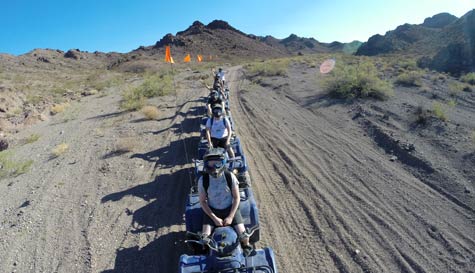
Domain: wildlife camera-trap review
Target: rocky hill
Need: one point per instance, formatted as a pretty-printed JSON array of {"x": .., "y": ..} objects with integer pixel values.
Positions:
[{"x": 443, "y": 42}]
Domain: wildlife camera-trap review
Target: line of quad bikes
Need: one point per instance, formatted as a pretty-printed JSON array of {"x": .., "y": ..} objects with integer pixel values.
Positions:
[{"x": 223, "y": 252}]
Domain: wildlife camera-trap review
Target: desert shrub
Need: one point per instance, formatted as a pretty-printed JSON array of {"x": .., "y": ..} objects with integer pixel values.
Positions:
[
  {"x": 156, "y": 85},
  {"x": 150, "y": 112},
  {"x": 350, "y": 81},
  {"x": 410, "y": 78},
  {"x": 452, "y": 103},
  {"x": 439, "y": 111},
  {"x": 125, "y": 145},
  {"x": 12, "y": 168},
  {"x": 455, "y": 88},
  {"x": 58, "y": 108},
  {"x": 408, "y": 64},
  {"x": 277, "y": 67},
  {"x": 32, "y": 138},
  {"x": 132, "y": 99},
  {"x": 422, "y": 115},
  {"x": 469, "y": 78},
  {"x": 59, "y": 150},
  {"x": 33, "y": 99}
]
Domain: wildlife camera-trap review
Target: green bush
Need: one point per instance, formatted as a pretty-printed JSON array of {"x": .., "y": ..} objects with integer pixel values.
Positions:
[
  {"x": 132, "y": 99},
  {"x": 152, "y": 86},
  {"x": 268, "y": 68},
  {"x": 410, "y": 78},
  {"x": 439, "y": 111},
  {"x": 11, "y": 168},
  {"x": 469, "y": 78},
  {"x": 32, "y": 138},
  {"x": 357, "y": 80},
  {"x": 409, "y": 64}
]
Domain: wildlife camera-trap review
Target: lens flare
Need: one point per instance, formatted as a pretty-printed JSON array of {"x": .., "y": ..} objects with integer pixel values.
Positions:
[{"x": 327, "y": 66}]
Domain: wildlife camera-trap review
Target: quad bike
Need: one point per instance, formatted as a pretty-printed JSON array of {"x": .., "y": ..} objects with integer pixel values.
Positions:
[
  {"x": 247, "y": 205},
  {"x": 222, "y": 253}
]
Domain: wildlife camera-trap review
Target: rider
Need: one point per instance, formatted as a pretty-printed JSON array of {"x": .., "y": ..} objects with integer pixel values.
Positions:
[
  {"x": 218, "y": 130},
  {"x": 220, "y": 198},
  {"x": 214, "y": 98}
]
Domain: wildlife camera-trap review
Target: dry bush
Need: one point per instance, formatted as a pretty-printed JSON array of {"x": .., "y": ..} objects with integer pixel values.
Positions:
[
  {"x": 132, "y": 99},
  {"x": 150, "y": 112},
  {"x": 12, "y": 168},
  {"x": 439, "y": 111},
  {"x": 277, "y": 67},
  {"x": 59, "y": 150},
  {"x": 58, "y": 108},
  {"x": 125, "y": 145},
  {"x": 32, "y": 138},
  {"x": 410, "y": 78},
  {"x": 469, "y": 78},
  {"x": 422, "y": 115}
]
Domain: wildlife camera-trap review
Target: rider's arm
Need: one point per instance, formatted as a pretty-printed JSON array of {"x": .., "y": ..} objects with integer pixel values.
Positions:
[
  {"x": 208, "y": 105},
  {"x": 208, "y": 137},
  {"x": 236, "y": 200},
  {"x": 228, "y": 126},
  {"x": 204, "y": 205}
]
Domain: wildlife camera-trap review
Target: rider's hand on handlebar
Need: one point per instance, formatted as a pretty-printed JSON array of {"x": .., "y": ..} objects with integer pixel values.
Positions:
[
  {"x": 218, "y": 221},
  {"x": 227, "y": 221}
]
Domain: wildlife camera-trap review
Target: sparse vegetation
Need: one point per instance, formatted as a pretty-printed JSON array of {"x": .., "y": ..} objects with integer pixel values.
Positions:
[
  {"x": 125, "y": 145},
  {"x": 408, "y": 64},
  {"x": 153, "y": 85},
  {"x": 59, "y": 108},
  {"x": 269, "y": 68},
  {"x": 32, "y": 138},
  {"x": 12, "y": 168},
  {"x": 132, "y": 99},
  {"x": 410, "y": 78},
  {"x": 469, "y": 78},
  {"x": 361, "y": 80},
  {"x": 439, "y": 111},
  {"x": 455, "y": 88},
  {"x": 422, "y": 115},
  {"x": 150, "y": 112},
  {"x": 59, "y": 150},
  {"x": 452, "y": 103}
]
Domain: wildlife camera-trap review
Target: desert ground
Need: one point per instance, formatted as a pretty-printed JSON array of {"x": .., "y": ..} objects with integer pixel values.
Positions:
[{"x": 341, "y": 186}]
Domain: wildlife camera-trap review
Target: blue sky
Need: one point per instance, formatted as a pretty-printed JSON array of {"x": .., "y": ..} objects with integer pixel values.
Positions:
[{"x": 123, "y": 25}]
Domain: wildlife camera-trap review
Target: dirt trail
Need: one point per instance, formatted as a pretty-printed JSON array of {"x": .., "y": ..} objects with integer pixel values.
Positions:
[{"x": 330, "y": 201}]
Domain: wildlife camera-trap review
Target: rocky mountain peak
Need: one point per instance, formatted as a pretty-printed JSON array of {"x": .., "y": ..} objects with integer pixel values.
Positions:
[{"x": 439, "y": 20}]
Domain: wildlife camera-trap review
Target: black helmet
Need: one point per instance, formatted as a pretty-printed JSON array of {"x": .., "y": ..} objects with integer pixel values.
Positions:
[
  {"x": 214, "y": 95},
  {"x": 217, "y": 110},
  {"x": 214, "y": 162},
  {"x": 220, "y": 69}
]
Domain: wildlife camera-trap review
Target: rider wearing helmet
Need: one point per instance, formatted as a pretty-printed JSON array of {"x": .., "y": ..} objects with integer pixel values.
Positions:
[
  {"x": 220, "y": 198},
  {"x": 214, "y": 98},
  {"x": 218, "y": 130}
]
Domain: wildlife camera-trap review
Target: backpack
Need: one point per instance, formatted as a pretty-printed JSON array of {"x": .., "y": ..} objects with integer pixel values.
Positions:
[{"x": 227, "y": 175}]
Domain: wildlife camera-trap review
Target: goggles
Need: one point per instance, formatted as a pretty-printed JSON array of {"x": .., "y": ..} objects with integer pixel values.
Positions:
[{"x": 214, "y": 164}]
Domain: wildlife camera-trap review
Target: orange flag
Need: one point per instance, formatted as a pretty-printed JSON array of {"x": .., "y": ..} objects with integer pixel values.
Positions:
[
  {"x": 187, "y": 59},
  {"x": 168, "y": 56},
  {"x": 200, "y": 58}
]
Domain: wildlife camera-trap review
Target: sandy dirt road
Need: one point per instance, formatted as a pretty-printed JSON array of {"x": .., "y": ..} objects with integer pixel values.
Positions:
[{"x": 329, "y": 199}]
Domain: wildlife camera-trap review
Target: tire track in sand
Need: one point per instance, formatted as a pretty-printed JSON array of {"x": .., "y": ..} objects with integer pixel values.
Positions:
[{"x": 357, "y": 211}]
